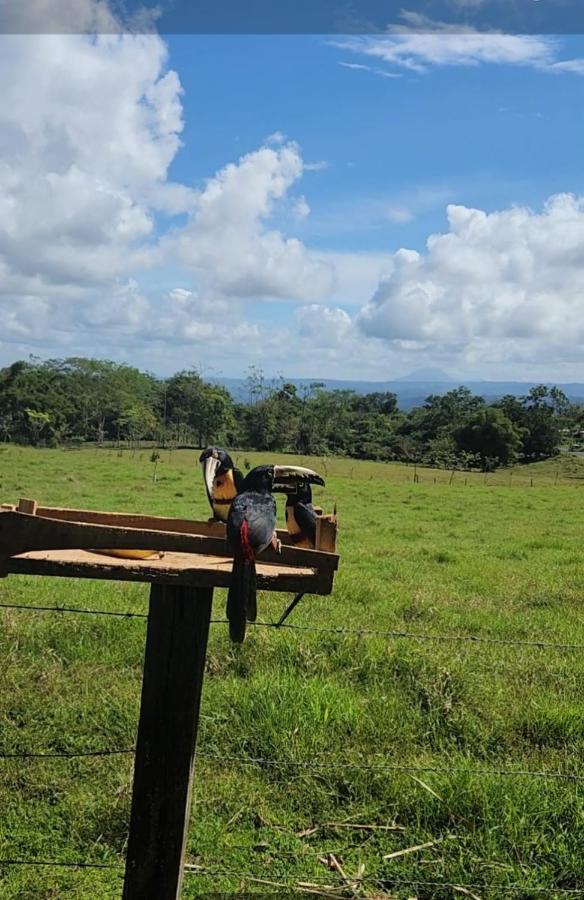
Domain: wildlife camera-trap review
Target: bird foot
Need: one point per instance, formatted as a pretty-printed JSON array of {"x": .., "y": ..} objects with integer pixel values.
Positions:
[{"x": 277, "y": 544}]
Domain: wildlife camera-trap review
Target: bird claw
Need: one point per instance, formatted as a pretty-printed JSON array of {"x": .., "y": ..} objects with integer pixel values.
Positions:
[{"x": 277, "y": 544}]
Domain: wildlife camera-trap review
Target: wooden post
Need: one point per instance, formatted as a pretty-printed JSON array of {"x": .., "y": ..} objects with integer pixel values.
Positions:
[{"x": 176, "y": 646}]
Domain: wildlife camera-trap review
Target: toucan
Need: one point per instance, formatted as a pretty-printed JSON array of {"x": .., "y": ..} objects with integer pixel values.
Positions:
[
  {"x": 301, "y": 517},
  {"x": 251, "y": 527},
  {"x": 222, "y": 480}
]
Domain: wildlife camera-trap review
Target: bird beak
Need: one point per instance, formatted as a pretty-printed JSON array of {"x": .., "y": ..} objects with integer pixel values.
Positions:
[
  {"x": 288, "y": 477},
  {"x": 210, "y": 466}
]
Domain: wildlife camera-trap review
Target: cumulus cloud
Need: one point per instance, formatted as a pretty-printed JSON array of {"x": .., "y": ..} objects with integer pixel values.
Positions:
[
  {"x": 228, "y": 241},
  {"x": 89, "y": 126},
  {"x": 420, "y": 44},
  {"x": 325, "y": 326},
  {"x": 77, "y": 17},
  {"x": 506, "y": 285},
  {"x": 88, "y": 129}
]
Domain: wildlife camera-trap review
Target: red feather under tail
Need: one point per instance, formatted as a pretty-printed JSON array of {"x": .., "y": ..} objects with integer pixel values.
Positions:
[{"x": 241, "y": 598}]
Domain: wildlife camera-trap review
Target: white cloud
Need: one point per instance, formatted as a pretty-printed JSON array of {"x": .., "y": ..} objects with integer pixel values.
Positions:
[
  {"x": 276, "y": 138},
  {"x": 228, "y": 242},
  {"x": 318, "y": 166},
  {"x": 75, "y": 17},
  {"x": 359, "y": 67},
  {"x": 88, "y": 129},
  {"x": 420, "y": 44},
  {"x": 324, "y": 326},
  {"x": 301, "y": 208},
  {"x": 399, "y": 214},
  {"x": 58, "y": 17},
  {"x": 356, "y": 275},
  {"x": 497, "y": 287}
]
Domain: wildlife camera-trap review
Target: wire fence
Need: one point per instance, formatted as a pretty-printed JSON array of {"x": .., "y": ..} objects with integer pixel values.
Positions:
[
  {"x": 308, "y": 765},
  {"x": 317, "y": 629},
  {"x": 311, "y": 883}
]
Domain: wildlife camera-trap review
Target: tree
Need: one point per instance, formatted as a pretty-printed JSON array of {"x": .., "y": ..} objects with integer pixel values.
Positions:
[
  {"x": 543, "y": 408},
  {"x": 492, "y": 436},
  {"x": 196, "y": 410},
  {"x": 441, "y": 415},
  {"x": 38, "y": 422}
]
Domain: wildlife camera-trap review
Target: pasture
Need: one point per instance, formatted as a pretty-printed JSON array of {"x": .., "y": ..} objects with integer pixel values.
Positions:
[{"x": 368, "y": 715}]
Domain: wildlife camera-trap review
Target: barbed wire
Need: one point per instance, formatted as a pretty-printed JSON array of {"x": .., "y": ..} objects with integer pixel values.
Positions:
[
  {"x": 310, "y": 765},
  {"x": 357, "y": 632},
  {"x": 75, "y": 609},
  {"x": 64, "y": 754},
  {"x": 304, "y": 880},
  {"x": 57, "y": 863},
  {"x": 420, "y": 636},
  {"x": 393, "y": 767}
]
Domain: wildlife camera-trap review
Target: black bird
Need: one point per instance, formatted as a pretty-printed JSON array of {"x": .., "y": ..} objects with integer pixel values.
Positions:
[
  {"x": 251, "y": 527},
  {"x": 222, "y": 480},
  {"x": 301, "y": 517}
]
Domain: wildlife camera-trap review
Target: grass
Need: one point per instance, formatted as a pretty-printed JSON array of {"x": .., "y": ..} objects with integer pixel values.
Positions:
[{"x": 497, "y": 557}]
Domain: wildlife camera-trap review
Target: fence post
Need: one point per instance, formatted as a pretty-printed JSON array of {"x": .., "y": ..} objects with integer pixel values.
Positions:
[{"x": 174, "y": 663}]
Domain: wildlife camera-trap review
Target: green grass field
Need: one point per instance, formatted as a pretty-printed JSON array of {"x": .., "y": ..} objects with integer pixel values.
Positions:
[{"x": 496, "y": 558}]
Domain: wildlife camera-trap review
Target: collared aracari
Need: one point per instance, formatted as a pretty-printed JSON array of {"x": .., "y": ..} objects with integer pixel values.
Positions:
[
  {"x": 301, "y": 517},
  {"x": 251, "y": 527},
  {"x": 222, "y": 480}
]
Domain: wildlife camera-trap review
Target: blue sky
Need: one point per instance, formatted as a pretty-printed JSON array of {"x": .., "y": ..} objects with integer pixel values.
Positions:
[
  {"x": 343, "y": 206},
  {"x": 487, "y": 136}
]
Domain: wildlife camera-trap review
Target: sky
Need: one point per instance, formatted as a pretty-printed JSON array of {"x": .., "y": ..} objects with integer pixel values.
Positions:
[{"x": 344, "y": 206}]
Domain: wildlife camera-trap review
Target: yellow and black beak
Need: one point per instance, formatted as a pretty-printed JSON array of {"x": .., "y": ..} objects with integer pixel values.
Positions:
[{"x": 287, "y": 478}]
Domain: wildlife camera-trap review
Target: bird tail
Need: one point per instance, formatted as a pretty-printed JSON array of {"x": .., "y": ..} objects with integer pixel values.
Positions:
[{"x": 241, "y": 597}]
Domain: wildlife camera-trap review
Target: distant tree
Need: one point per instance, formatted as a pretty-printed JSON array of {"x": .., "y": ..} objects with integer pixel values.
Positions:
[
  {"x": 38, "y": 424},
  {"x": 196, "y": 410},
  {"x": 543, "y": 407},
  {"x": 493, "y": 437}
]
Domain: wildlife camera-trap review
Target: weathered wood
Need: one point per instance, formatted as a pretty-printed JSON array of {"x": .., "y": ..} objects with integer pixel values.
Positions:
[
  {"x": 174, "y": 662},
  {"x": 174, "y": 568},
  {"x": 27, "y": 506},
  {"x": 326, "y": 533},
  {"x": 20, "y": 533},
  {"x": 210, "y": 527},
  {"x": 134, "y": 520}
]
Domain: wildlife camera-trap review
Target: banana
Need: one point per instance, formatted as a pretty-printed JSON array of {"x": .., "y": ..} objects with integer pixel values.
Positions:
[{"x": 130, "y": 554}]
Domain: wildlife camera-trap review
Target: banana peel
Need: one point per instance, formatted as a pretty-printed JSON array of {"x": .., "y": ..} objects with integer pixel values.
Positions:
[{"x": 130, "y": 554}]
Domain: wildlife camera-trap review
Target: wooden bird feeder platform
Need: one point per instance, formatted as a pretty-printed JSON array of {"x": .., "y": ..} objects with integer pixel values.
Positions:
[
  {"x": 44, "y": 540},
  {"x": 192, "y": 559}
]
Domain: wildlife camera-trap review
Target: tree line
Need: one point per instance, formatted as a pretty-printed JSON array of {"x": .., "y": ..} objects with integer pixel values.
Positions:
[{"x": 72, "y": 401}]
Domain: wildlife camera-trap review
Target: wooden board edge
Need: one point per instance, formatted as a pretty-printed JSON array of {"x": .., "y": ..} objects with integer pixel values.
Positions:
[{"x": 20, "y": 532}]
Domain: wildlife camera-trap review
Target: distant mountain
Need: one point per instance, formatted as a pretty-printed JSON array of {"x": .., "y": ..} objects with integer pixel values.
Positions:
[
  {"x": 412, "y": 391},
  {"x": 438, "y": 376}
]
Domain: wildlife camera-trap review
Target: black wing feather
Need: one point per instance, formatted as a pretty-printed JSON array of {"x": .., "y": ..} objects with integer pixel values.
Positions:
[{"x": 306, "y": 518}]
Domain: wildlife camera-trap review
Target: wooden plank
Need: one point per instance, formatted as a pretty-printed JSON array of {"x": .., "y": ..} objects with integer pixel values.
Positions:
[
  {"x": 27, "y": 506},
  {"x": 326, "y": 533},
  {"x": 20, "y": 533},
  {"x": 174, "y": 664},
  {"x": 173, "y": 568},
  {"x": 133, "y": 520},
  {"x": 136, "y": 520}
]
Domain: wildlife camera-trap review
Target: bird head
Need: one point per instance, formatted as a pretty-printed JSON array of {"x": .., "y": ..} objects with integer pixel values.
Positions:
[
  {"x": 301, "y": 492},
  {"x": 214, "y": 461},
  {"x": 281, "y": 479}
]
